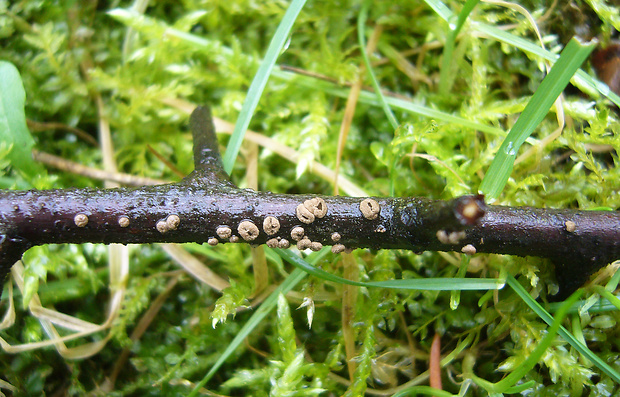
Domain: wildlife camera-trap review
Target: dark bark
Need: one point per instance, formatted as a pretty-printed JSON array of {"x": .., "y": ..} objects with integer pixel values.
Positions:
[{"x": 207, "y": 207}]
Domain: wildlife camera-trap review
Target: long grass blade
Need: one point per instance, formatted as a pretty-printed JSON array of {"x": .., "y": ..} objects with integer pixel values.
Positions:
[
  {"x": 370, "y": 98},
  {"x": 581, "y": 78},
  {"x": 574, "y": 342},
  {"x": 361, "y": 23},
  {"x": 537, "y": 108},
  {"x": 260, "y": 81},
  {"x": 447, "y": 64},
  {"x": 429, "y": 284},
  {"x": 268, "y": 305}
]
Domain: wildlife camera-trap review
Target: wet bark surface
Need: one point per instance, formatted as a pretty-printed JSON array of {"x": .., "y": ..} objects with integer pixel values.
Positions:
[{"x": 206, "y": 207}]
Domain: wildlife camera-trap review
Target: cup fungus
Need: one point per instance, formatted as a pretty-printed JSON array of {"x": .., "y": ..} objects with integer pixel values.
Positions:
[
  {"x": 316, "y": 206},
  {"x": 248, "y": 230},
  {"x": 337, "y": 248},
  {"x": 370, "y": 208},
  {"x": 80, "y": 220},
  {"x": 304, "y": 214},
  {"x": 297, "y": 233},
  {"x": 123, "y": 221},
  {"x": 468, "y": 249},
  {"x": 303, "y": 243},
  {"x": 223, "y": 232},
  {"x": 271, "y": 225}
]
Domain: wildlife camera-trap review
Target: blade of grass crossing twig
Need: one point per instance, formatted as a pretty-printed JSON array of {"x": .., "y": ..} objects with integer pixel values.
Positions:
[
  {"x": 574, "y": 342},
  {"x": 429, "y": 284},
  {"x": 537, "y": 108},
  {"x": 259, "y": 82}
]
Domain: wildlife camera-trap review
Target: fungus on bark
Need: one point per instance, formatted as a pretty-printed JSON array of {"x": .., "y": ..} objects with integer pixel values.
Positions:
[
  {"x": 80, "y": 220},
  {"x": 201, "y": 205},
  {"x": 271, "y": 225},
  {"x": 248, "y": 230},
  {"x": 370, "y": 208}
]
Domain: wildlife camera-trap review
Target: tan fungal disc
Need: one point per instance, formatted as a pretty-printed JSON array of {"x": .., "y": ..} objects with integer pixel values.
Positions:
[
  {"x": 338, "y": 248},
  {"x": 234, "y": 239},
  {"x": 456, "y": 237},
  {"x": 223, "y": 232},
  {"x": 162, "y": 226},
  {"x": 316, "y": 246},
  {"x": 316, "y": 206},
  {"x": 442, "y": 236},
  {"x": 284, "y": 243},
  {"x": 303, "y": 243},
  {"x": 450, "y": 238},
  {"x": 248, "y": 230},
  {"x": 80, "y": 220},
  {"x": 272, "y": 243},
  {"x": 123, "y": 221},
  {"x": 304, "y": 214},
  {"x": 297, "y": 233},
  {"x": 271, "y": 225},
  {"x": 469, "y": 249},
  {"x": 570, "y": 226},
  {"x": 370, "y": 208},
  {"x": 173, "y": 222},
  {"x": 213, "y": 241},
  {"x": 336, "y": 236}
]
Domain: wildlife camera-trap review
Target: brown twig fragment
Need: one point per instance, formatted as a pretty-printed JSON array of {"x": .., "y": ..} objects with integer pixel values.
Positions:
[{"x": 206, "y": 207}]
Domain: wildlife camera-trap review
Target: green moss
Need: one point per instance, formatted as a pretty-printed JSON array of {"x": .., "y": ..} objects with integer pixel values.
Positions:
[{"x": 68, "y": 54}]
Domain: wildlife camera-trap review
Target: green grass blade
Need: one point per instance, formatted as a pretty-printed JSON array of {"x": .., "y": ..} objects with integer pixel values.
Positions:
[
  {"x": 361, "y": 23},
  {"x": 259, "y": 82},
  {"x": 613, "y": 299},
  {"x": 440, "y": 9},
  {"x": 155, "y": 28},
  {"x": 150, "y": 27},
  {"x": 259, "y": 315},
  {"x": 599, "y": 307},
  {"x": 13, "y": 129},
  {"x": 537, "y": 108},
  {"x": 369, "y": 98},
  {"x": 581, "y": 78},
  {"x": 446, "y": 77},
  {"x": 429, "y": 284},
  {"x": 574, "y": 342},
  {"x": 612, "y": 285},
  {"x": 265, "y": 308},
  {"x": 423, "y": 391},
  {"x": 509, "y": 381}
]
